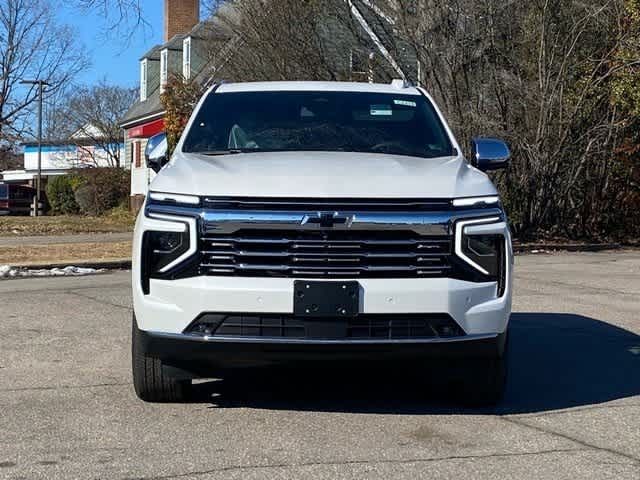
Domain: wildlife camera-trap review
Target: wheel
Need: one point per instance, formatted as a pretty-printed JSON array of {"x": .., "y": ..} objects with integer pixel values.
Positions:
[
  {"x": 485, "y": 380},
  {"x": 149, "y": 381}
]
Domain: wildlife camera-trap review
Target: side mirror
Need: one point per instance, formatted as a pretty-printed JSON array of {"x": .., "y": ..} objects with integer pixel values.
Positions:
[
  {"x": 156, "y": 152},
  {"x": 490, "y": 154}
]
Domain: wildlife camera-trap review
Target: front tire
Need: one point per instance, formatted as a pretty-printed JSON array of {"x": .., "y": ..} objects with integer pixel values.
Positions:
[
  {"x": 486, "y": 380},
  {"x": 149, "y": 381}
]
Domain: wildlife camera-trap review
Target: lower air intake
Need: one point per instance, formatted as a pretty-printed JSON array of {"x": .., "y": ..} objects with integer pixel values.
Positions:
[{"x": 362, "y": 327}]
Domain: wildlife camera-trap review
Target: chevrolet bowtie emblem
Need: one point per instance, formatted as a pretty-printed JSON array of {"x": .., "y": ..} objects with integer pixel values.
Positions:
[{"x": 327, "y": 220}]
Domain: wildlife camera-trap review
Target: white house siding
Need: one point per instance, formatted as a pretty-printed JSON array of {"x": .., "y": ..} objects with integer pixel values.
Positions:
[
  {"x": 65, "y": 157},
  {"x": 141, "y": 176}
]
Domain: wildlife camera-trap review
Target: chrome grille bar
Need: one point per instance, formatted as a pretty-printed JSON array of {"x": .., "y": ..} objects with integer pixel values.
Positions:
[{"x": 399, "y": 254}]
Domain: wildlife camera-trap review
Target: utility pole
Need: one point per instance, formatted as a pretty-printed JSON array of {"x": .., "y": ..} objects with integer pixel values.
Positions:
[{"x": 41, "y": 84}]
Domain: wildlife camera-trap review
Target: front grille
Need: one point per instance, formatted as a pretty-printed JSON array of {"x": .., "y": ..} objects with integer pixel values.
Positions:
[
  {"x": 278, "y": 253},
  {"x": 362, "y": 327}
]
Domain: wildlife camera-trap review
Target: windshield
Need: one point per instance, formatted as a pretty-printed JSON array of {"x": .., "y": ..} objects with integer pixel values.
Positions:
[
  {"x": 4, "y": 189},
  {"x": 318, "y": 121}
]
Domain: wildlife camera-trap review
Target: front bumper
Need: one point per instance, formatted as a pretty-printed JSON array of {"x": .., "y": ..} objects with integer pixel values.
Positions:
[
  {"x": 172, "y": 305},
  {"x": 184, "y": 355}
]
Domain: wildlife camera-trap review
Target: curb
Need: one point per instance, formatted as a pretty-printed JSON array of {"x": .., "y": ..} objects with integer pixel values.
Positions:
[
  {"x": 98, "y": 265},
  {"x": 564, "y": 247}
]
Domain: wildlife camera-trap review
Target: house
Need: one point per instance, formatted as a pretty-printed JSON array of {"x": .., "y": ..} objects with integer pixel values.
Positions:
[{"x": 85, "y": 148}]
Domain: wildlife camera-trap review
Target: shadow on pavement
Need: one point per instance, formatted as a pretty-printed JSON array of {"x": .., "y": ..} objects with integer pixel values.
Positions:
[{"x": 556, "y": 361}]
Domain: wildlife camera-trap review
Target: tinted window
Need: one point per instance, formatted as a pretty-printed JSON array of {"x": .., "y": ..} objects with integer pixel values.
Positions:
[
  {"x": 3, "y": 191},
  {"x": 318, "y": 121},
  {"x": 19, "y": 192}
]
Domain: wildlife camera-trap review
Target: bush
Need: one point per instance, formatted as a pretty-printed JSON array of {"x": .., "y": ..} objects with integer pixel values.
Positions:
[
  {"x": 86, "y": 199},
  {"x": 60, "y": 193},
  {"x": 101, "y": 189}
]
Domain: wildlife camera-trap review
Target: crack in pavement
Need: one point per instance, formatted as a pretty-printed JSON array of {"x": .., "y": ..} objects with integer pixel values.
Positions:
[
  {"x": 355, "y": 462},
  {"x": 98, "y": 300},
  {"x": 127, "y": 286},
  {"x": 62, "y": 387},
  {"x": 583, "y": 443},
  {"x": 584, "y": 261},
  {"x": 570, "y": 285}
]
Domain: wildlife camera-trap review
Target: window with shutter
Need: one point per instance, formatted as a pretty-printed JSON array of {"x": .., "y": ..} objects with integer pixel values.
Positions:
[
  {"x": 164, "y": 69},
  {"x": 186, "y": 58},
  {"x": 143, "y": 80}
]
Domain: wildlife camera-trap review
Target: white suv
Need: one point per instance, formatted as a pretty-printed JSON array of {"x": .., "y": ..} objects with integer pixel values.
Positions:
[{"x": 306, "y": 222}]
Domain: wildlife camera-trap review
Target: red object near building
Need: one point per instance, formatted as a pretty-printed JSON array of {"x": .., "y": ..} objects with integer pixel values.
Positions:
[{"x": 146, "y": 130}]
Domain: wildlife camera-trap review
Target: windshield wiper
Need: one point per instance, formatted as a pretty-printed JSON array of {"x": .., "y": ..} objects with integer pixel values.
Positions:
[{"x": 213, "y": 153}]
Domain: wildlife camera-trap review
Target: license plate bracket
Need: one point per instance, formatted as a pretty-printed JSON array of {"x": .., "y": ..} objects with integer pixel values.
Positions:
[{"x": 326, "y": 299}]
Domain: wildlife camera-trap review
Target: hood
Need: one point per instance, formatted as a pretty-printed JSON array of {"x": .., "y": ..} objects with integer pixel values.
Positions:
[{"x": 322, "y": 175}]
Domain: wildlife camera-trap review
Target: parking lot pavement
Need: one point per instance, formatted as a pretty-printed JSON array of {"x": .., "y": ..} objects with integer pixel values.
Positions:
[{"x": 572, "y": 409}]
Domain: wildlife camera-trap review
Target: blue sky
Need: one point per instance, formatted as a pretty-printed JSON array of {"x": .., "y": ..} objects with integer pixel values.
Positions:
[{"x": 112, "y": 57}]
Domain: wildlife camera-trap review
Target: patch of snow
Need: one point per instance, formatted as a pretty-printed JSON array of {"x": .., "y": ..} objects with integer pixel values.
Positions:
[{"x": 7, "y": 271}]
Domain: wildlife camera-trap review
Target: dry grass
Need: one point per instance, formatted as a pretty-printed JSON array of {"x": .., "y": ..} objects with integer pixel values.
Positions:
[
  {"x": 64, "y": 254},
  {"x": 66, "y": 225}
]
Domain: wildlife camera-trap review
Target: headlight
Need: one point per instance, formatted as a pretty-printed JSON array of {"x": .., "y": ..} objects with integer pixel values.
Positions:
[
  {"x": 485, "y": 251},
  {"x": 166, "y": 245},
  {"x": 481, "y": 243},
  {"x": 174, "y": 198},
  {"x": 476, "y": 201},
  {"x": 163, "y": 248}
]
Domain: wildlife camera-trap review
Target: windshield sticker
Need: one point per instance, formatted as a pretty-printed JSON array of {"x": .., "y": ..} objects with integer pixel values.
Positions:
[
  {"x": 381, "y": 110},
  {"x": 406, "y": 103}
]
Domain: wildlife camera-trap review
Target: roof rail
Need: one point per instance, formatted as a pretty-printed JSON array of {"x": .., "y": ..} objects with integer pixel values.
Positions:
[{"x": 400, "y": 83}]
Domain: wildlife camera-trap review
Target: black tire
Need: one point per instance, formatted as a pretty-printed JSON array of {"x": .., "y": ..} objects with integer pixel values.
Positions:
[
  {"x": 485, "y": 380},
  {"x": 149, "y": 381}
]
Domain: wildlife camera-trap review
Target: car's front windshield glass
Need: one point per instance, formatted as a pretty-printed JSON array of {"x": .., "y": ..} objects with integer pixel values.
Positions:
[{"x": 318, "y": 121}]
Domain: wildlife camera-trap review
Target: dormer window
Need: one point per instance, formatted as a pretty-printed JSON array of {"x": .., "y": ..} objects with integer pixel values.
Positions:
[
  {"x": 164, "y": 69},
  {"x": 186, "y": 58},
  {"x": 143, "y": 80}
]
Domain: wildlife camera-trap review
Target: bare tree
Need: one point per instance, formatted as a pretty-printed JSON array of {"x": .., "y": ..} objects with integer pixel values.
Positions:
[
  {"x": 210, "y": 7},
  {"x": 32, "y": 46},
  {"x": 9, "y": 159},
  {"x": 289, "y": 39},
  {"x": 92, "y": 115},
  {"x": 538, "y": 73},
  {"x": 123, "y": 17},
  {"x": 131, "y": 11}
]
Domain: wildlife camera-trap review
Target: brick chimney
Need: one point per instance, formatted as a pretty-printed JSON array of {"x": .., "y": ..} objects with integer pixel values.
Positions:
[{"x": 180, "y": 16}]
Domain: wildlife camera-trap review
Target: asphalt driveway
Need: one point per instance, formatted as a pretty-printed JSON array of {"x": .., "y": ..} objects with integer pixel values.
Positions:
[{"x": 572, "y": 409}]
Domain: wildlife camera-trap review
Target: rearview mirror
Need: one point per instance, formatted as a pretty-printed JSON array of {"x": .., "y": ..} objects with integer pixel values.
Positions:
[
  {"x": 490, "y": 154},
  {"x": 156, "y": 152}
]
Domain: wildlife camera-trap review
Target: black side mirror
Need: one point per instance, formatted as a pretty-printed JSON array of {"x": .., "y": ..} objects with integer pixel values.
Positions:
[
  {"x": 156, "y": 152},
  {"x": 490, "y": 154}
]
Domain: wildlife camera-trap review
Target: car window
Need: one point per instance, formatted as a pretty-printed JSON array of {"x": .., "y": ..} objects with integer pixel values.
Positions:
[
  {"x": 318, "y": 121},
  {"x": 20, "y": 193},
  {"x": 4, "y": 190}
]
